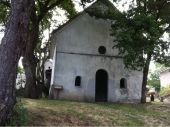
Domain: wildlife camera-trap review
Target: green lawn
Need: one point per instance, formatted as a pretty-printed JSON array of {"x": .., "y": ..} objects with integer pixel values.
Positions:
[{"x": 67, "y": 113}]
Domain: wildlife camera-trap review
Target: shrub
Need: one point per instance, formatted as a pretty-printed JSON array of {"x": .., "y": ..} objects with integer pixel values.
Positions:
[
  {"x": 165, "y": 91},
  {"x": 155, "y": 84}
]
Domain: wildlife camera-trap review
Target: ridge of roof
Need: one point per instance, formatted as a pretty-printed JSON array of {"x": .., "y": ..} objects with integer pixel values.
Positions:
[{"x": 106, "y": 2}]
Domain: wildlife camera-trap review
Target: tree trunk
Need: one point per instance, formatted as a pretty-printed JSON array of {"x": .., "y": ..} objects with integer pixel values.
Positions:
[
  {"x": 145, "y": 78},
  {"x": 29, "y": 64},
  {"x": 30, "y": 61},
  {"x": 33, "y": 84},
  {"x": 12, "y": 45}
]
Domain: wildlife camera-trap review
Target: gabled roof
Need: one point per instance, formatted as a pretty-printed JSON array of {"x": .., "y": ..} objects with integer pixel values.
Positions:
[{"x": 90, "y": 10}]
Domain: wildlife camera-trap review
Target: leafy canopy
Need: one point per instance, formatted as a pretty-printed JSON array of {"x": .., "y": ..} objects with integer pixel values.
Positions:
[{"x": 139, "y": 31}]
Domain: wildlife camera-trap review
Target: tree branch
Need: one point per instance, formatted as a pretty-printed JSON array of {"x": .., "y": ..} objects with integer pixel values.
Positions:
[
  {"x": 46, "y": 8},
  {"x": 160, "y": 7},
  {"x": 47, "y": 2}
]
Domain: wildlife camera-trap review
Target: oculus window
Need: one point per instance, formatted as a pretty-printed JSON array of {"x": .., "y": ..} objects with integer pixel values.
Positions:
[{"x": 102, "y": 49}]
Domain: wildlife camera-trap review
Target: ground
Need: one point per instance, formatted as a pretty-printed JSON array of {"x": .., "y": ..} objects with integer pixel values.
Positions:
[{"x": 67, "y": 113}]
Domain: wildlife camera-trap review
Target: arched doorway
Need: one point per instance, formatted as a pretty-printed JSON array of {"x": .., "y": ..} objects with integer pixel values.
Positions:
[{"x": 101, "y": 89}]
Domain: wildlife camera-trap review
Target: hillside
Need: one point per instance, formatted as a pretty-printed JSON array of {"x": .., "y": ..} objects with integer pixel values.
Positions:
[{"x": 67, "y": 113}]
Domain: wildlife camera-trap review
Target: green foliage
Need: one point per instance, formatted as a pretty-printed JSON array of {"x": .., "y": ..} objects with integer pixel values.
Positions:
[
  {"x": 138, "y": 34},
  {"x": 165, "y": 91},
  {"x": 154, "y": 76},
  {"x": 44, "y": 10},
  {"x": 68, "y": 6},
  {"x": 19, "y": 116},
  {"x": 155, "y": 84},
  {"x": 4, "y": 12},
  {"x": 106, "y": 14}
]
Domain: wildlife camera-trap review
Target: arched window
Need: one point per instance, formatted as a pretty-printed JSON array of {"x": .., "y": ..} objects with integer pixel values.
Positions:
[
  {"x": 78, "y": 81},
  {"x": 123, "y": 83}
]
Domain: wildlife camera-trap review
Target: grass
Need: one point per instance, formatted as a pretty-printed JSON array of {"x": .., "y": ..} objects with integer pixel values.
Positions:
[
  {"x": 68, "y": 113},
  {"x": 19, "y": 116}
]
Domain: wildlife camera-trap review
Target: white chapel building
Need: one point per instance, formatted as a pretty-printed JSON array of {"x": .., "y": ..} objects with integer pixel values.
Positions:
[{"x": 86, "y": 67}]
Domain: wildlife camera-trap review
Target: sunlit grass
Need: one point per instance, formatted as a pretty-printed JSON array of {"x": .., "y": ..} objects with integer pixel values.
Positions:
[{"x": 68, "y": 113}]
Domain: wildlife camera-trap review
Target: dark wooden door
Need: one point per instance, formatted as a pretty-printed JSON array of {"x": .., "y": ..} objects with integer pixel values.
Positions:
[{"x": 101, "y": 89}]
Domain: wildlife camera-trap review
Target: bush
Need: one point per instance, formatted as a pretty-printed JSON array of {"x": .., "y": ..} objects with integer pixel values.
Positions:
[
  {"x": 165, "y": 91},
  {"x": 155, "y": 84},
  {"x": 20, "y": 115}
]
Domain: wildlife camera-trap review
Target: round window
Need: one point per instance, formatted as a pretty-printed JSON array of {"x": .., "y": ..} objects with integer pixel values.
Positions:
[{"x": 102, "y": 50}]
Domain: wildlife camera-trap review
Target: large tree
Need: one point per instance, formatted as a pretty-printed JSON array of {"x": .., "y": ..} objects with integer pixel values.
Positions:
[
  {"x": 139, "y": 33},
  {"x": 11, "y": 47},
  {"x": 41, "y": 18}
]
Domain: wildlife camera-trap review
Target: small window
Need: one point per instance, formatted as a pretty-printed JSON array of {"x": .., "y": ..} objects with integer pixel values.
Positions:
[
  {"x": 123, "y": 83},
  {"x": 102, "y": 50},
  {"x": 78, "y": 81}
]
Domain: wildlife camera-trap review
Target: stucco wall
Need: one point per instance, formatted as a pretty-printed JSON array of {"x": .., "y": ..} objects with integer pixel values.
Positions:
[
  {"x": 69, "y": 66},
  {"x": 77, "y": 55},
  {"x": 165, "y": 79},
  {"x": 84, "y": 35}
]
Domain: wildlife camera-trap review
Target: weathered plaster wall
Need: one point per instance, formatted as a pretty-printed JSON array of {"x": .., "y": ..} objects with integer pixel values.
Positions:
[
  {"x": 77, "y": 55},
  {"x": 165, "y": 78},
  {"x": 84, "y": 35},
  {"x": 69, "y": 66}
]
